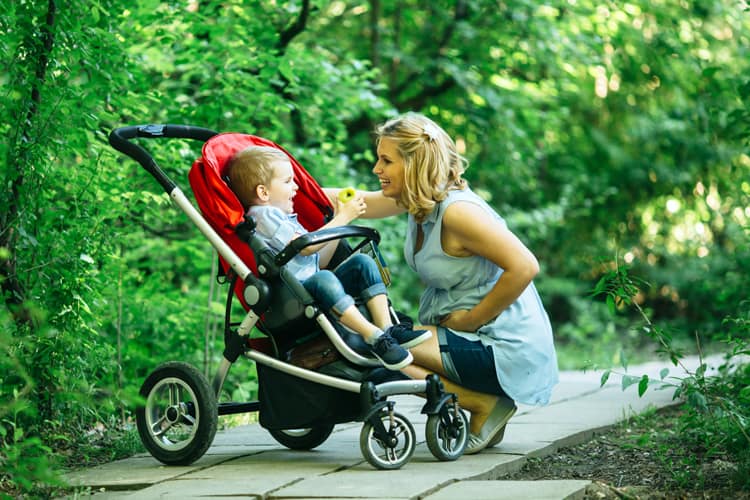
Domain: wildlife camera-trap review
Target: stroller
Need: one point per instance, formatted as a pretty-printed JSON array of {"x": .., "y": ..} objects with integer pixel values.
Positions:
[{"x": 299, "y": 403}]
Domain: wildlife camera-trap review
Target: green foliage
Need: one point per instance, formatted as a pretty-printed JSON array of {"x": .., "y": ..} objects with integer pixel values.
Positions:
[
  {"x": 717, "y": 419},
  {"x": 589, "y": 126}
]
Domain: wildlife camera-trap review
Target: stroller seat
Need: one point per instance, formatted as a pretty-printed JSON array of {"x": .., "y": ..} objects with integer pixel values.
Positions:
[{"x": 286, "y": 319}]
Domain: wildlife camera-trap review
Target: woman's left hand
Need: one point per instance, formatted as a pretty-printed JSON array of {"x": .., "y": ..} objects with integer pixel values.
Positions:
[{"x": 460, "y": 320}]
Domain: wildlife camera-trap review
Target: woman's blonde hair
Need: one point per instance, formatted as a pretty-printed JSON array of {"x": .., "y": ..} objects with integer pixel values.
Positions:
[
  {"x": 432, "y": 164},
  {"x": 251, "y": 167}
]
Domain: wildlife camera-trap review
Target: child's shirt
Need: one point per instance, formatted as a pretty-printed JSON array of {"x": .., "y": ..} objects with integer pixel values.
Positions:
[{"x": 277, "y": 229}]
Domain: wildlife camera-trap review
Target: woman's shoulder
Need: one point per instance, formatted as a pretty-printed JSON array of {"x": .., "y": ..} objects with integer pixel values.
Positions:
[{"x": 466, "y": 207}]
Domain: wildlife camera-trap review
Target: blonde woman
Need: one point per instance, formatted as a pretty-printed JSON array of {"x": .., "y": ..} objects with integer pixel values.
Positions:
[{"x": 492, "y": 342}]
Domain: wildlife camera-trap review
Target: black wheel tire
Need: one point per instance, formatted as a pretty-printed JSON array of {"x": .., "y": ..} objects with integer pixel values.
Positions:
[
  {"x": 178, "y": 421},
  {"x": 303, "y": 439},
  {"x": 381, "y": 455},
  {"x": 447, "y": 433}
]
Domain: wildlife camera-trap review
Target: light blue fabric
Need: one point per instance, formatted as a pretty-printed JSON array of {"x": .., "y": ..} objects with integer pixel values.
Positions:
[
  {"x": 520, "y": 337},
  {"x": 278, "y": 229}
]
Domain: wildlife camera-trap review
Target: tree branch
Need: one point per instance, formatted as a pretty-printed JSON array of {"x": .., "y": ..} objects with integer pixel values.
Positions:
[
  {"x": 460, "y": 13},
  {"x": 294, "y": 29}
]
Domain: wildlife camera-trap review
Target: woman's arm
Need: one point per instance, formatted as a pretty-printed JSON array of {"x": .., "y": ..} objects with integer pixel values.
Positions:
[
  {"x": 377, "y": 205},
  {"x": 468, "y": 230}
]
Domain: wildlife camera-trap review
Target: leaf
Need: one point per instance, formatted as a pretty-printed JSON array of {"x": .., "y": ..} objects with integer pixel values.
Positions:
[
  {"x": 663, "y": 373},
  {"x": 744, "y": 394},
  {"x": 600, "y": 287},
  {"x": 642, "y": 385},
  {"x": 628, "y": 380},
  {"x": 611, "y": 304},
  {"x": 605, "y": 377},
  {"x": 697, "y": 400}
]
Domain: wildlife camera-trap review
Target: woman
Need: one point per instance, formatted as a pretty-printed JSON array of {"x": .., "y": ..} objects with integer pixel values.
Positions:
[{"x": 492, "y": 341}]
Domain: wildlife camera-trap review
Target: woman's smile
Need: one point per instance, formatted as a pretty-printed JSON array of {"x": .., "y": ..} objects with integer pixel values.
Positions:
[{"x": 389, "y": 168}]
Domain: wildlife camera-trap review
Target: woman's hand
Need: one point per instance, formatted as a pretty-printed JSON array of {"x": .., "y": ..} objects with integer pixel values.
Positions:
[{"x": 460, "y": 320}]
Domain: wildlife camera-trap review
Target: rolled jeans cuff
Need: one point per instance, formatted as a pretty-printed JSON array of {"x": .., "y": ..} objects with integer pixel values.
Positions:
[
  {"x": 342, "y": 305},
  {"x": 372, "y": 291}
]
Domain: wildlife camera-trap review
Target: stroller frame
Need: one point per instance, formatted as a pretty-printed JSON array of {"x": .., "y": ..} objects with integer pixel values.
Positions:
[{"x": 178, "y": 422}]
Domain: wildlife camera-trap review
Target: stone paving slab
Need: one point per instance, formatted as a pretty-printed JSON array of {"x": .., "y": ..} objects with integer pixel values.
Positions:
[
  {"x": 512, "y": 490},
  {"x": 246, "y": 462}
]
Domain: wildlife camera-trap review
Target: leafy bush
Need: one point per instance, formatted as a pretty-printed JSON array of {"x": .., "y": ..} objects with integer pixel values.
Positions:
[{"x": 717, "y": 420}]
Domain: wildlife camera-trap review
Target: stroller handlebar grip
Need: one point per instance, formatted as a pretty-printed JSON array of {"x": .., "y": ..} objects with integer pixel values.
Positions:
[
  {"x": 121, "y": 140},
  {"x": 322, "y": 236}
]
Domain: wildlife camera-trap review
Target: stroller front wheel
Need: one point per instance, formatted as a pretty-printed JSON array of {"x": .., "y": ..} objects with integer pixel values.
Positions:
[
  {"x": 178, "y": 421},
  {"x": 447, "y": 433},
  {"x": 391, "y": 450}
]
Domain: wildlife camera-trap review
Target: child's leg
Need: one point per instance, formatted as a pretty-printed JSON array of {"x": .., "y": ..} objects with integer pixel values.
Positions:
[
  {"x": 380, "y": 311},
  {"x": 352, "y": 318},
  {"x": 329, "y": 292},
  {"x": 327, "y": 289},
  {"x": 360, "y": 277}
]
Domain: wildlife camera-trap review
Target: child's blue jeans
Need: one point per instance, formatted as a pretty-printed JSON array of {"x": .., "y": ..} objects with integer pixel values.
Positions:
[{"x": 358, "y": 276}]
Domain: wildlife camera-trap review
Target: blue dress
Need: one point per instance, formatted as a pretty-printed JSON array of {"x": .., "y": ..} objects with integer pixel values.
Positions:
[{"x": 520, "y": 337}]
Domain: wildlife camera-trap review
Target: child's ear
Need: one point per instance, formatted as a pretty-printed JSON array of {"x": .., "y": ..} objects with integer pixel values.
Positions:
[{"x": 261, "y": 191}]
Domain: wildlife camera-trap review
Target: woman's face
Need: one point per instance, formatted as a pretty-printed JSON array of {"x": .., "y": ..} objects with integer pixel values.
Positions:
[{"x": 389, "y": 168}]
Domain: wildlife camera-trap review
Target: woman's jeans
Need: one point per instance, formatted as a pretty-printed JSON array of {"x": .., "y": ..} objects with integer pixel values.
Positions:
[{"x": 357, "y": 276}]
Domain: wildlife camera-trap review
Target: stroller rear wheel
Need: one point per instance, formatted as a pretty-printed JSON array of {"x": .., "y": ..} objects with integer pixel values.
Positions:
[
  {"x": 302, "y": 439},
  {"x": 392, "y": 450},
  {"x": 178, "y": 422},
  {"x": 447, "y": 433}
]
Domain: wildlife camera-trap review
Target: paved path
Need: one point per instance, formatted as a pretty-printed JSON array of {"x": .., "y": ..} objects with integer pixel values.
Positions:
[{"x": 246, "y": 462}]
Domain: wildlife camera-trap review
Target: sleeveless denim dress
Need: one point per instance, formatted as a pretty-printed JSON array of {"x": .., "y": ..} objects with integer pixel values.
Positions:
[{"x": 520, "y": 337}]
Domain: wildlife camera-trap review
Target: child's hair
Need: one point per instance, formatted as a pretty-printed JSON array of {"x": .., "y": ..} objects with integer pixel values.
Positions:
[
  {"x": 432, "y": 164},
  {"x": 251, "y": 167}
]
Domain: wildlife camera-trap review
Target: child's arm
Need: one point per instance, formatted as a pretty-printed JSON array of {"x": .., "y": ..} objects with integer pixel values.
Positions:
[
  {"x": 345, "y": 213},
  {"x": 377, "y": 206}
]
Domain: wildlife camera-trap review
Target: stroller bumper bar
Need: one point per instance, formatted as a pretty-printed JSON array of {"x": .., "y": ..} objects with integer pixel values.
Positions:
[{"x": 322, "y": 236}]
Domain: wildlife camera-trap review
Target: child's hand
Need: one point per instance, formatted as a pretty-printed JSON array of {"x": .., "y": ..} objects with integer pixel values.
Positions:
[
  {"x": 351, "y": 209},
  {"x": 347, "y": 194}
]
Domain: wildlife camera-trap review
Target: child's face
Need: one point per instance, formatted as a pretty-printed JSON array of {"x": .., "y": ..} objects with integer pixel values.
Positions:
[{"x": 282, "y": 188}]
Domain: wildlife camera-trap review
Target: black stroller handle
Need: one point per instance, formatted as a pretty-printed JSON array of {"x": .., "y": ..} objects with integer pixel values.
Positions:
[
  {"x": 323, "y": 235},
  {"x": 120, "y": 139}
]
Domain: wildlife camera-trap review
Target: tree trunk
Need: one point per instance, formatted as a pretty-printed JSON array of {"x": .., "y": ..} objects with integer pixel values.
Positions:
[{"x": 34, "y": 52}]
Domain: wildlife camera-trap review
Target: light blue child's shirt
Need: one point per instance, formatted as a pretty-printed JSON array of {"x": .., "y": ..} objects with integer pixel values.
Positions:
[
  {"x": 520, "y": 337},
  {"x": 277, "y": 229}
]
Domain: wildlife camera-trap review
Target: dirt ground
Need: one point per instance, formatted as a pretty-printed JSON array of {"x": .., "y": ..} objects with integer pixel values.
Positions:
[{"x": 642, "y": 460}]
